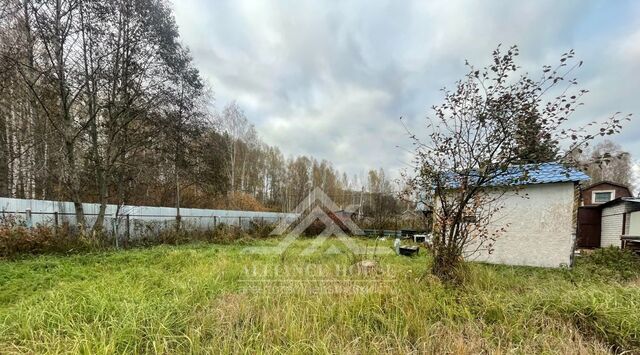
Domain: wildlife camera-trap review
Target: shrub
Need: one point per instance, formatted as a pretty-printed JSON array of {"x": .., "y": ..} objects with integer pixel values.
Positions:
[
  {"x": 314, "y": 229},
  {"x": 226, "y": 233},
  {"x": 16, "y": 239},
  {"x": 260, "y": 228},
  {"x": 239, "y": 201}
]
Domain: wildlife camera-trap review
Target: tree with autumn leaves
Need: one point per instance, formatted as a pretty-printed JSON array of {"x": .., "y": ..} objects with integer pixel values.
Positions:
[{"x": 494, "y": 119}]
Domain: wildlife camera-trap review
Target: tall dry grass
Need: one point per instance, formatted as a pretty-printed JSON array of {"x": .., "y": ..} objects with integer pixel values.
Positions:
[{"x": 205, "y": 298}]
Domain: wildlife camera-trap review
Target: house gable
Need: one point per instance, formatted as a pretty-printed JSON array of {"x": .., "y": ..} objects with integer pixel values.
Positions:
[{"x": 592, "y": 193}]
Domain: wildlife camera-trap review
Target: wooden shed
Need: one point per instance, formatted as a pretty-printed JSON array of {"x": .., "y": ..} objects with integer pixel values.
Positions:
[{"x": 594, "y": 198}]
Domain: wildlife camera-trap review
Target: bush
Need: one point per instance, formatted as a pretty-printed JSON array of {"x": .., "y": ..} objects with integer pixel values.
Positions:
[
  {"x": 239, "y": 201},
  {"x": 16, "y": 239},
  {"x": 314, "y": 229},
  {"x": 261, "y": 228}
]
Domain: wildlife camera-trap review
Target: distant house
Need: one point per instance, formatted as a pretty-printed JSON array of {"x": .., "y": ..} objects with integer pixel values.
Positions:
[
  {"x": 603, "y": 192},
  {"x": 344, "y": 214},
  {"x": 343, "y": 218},
  {"x": 610, "y": 223},
  {"x": 605, "y": 214}
]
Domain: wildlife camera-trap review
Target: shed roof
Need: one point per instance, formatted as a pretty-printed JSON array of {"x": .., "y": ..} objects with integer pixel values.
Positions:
[
  {"x": 529, "y": 174},
  {"x": 608, "y": 183},
  {"x": 620, "y": 200},
  {"x": 550, "y": 172}
]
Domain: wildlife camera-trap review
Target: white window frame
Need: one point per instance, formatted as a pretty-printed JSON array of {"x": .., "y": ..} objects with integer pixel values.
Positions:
[{"x": 593, "y": 196}]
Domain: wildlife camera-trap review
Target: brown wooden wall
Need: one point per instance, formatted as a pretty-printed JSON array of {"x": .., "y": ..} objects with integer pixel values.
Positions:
[
  {"x": 589, "y": 221},
  {"x": 620, "y": 192}
]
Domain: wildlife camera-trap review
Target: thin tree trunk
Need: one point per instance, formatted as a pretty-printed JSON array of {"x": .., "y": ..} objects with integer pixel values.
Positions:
[
  {"x": 74, "y": 184},
  {"x": 242, "y": 172},
  {"x": 4, "y": 156}
]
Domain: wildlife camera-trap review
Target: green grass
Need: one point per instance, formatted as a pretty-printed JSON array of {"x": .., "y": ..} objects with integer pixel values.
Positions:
[{"x": 200, "y": 298}]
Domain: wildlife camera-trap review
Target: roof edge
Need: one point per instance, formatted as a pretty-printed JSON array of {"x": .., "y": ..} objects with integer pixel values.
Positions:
[
  {"x": 607, "y": 182},
  {"x": 619, "y": 199}
]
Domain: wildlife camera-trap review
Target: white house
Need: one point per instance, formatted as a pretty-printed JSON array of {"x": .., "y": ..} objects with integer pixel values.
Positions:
[{"x": 540, "y": 228}]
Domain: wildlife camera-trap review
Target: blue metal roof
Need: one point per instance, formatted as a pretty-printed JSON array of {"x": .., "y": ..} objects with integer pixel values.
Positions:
[{"x": 544, "y": 173}]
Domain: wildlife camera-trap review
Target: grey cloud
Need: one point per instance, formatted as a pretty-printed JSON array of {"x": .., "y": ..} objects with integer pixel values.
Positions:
[{"x": 331, "y": 78}]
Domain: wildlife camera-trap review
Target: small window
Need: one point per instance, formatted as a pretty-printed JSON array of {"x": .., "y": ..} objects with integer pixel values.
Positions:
[{"x": 601, "y": 197}]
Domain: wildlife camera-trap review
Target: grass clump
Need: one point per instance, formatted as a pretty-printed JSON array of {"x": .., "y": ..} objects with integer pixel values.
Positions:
[{"x": 611, "y": 264}]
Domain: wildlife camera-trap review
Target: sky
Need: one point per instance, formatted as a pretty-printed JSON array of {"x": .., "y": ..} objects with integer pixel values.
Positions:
[{"x": 331, "y": 79}]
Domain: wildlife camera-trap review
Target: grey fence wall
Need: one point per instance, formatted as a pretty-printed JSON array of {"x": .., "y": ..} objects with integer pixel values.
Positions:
[{"x": 132, "y": 220}]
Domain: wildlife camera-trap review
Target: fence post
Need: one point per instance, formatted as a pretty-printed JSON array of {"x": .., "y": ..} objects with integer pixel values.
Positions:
[
  {"x": 28, "y": 217},
  {"x": 128, "y": 233},
  {"x": 114, "y": 227},
  {"x": 178, "y": 221},
  {"x": 56, "y": 223},
  {"x": 215, "y": 222},
  {"x": 240, "y": 222}
]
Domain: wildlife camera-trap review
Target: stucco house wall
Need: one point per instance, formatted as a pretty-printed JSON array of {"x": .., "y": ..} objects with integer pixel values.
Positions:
[{"x": 540, "y": 228}]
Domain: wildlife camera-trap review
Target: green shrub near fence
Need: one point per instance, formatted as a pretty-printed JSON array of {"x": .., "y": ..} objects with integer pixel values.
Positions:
[{"x": 17, "y": 239}]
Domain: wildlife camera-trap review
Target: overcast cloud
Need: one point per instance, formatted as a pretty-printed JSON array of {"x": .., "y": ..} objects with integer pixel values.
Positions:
[{"x": 331, "y": 78}]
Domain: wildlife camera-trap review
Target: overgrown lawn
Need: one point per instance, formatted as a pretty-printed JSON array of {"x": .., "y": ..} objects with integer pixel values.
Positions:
[{"x": 218, "y": 299}]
